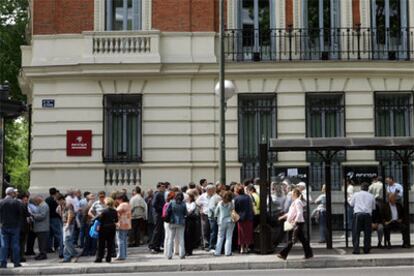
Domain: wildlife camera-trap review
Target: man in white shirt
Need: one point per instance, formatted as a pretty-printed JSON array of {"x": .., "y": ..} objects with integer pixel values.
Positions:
[
  {"x": 202, "y": 202},
  {"x": 363, "y": 203},
  {"x": 394, "y": 188}
]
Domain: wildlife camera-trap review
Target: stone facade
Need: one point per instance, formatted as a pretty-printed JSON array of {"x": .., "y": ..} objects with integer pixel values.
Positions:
[{"x": 176, "y": 75}]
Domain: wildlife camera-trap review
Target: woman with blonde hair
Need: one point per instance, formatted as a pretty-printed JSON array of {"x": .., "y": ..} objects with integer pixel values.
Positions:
[
  {"x": 107, "y": 229},
  {"x": 294, "y": 225}
]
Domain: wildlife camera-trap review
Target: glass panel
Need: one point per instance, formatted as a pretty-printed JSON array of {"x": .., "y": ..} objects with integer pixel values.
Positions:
[
  {"x": 122, "y": 17},
  {"x": 117, "y": 15}
]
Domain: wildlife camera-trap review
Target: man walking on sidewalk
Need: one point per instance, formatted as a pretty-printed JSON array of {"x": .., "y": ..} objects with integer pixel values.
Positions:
[{"x": 363, "y": 203}]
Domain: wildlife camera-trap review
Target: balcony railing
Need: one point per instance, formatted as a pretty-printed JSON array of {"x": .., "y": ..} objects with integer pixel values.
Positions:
[
  {"x": 122, "y": 175},
  {"x": 319, "y": 44},
  {"x": 123, "y": 46}
]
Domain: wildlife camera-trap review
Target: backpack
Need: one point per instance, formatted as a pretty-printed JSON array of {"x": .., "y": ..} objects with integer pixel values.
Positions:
[
  {"x": 166, "y": 215},
  {"x": 93, "y": 232}
]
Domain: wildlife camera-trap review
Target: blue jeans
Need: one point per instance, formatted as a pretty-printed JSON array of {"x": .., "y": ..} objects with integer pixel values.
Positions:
[
  {"x": 177, "y": 231},
  {"x": 69, "y": 248},
  {"x": 82, "y": 232},
  {"x": 213, "y": 232},
  {"x": 122, "y": 240},
  {"x": 10, "y": 237},
  {"x": 56, "y": 235},
  {"x": 225, "y": 231},
  {"x": 322, "y": 225}
]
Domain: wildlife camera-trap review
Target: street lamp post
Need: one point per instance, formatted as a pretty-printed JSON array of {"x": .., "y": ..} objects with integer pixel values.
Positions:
[{"x": 225, "y": 89}]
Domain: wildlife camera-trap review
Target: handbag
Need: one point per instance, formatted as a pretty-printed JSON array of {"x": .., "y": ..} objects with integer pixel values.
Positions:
[
  {"x": 287, "y": 226},
  {"x": 234, "y": 216},
  {"x": 93, "y": 232}
]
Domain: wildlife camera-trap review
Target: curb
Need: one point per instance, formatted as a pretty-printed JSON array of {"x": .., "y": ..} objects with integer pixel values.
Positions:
[{"x": 131, "y": 268}]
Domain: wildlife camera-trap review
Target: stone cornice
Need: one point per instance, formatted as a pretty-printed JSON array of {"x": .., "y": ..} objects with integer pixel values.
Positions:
[{"x": 287, "y": 69}]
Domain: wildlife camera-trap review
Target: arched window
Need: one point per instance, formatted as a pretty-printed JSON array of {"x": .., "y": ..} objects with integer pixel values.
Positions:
[
  {"x": 389, "y": 21},
  {"x": 321, "y": 23},
  {"x": 123, "y": 15}
]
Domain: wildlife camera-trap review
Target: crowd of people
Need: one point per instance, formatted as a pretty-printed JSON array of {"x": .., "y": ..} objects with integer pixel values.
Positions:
[{"x": 176, "y": 220}]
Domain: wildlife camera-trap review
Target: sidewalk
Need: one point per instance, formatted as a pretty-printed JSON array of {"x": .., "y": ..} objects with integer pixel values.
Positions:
[{"x": 140, "y": 260}]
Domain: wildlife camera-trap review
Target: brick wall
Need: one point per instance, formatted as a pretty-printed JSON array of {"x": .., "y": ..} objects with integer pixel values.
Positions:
[
  {"x": 62, "y": 16},
  {"x": 76, "y": 16},
  {"x": 185, "y": 15}
]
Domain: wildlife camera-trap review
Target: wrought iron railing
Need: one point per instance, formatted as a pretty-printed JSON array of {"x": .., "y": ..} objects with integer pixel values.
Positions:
[{"x": 319, "y": 44}]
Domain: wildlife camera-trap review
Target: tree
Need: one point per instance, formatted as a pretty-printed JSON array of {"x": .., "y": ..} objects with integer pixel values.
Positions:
[
  {"x": 13, "y": 23},
  {"x": 16, "y": 149}
]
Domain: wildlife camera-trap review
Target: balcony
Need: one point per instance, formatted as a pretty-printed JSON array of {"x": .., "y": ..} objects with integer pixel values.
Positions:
[
  {"x": 122, "y": 46},
  {"x": 343, "y": 44}
]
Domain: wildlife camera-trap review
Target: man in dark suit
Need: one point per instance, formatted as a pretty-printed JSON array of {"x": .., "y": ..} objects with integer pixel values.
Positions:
[{"x": 394, "y": 220}]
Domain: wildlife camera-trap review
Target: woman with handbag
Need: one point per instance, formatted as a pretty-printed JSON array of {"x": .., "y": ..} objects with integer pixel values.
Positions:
[
  {"x": 244, "y": 208},
  {"x": 226, "y": 218},
  {"x": 294, "y": 225}
]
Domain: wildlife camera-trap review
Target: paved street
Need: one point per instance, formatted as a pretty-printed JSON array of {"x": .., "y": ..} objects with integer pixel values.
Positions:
[{"x": 377, "y": 271}]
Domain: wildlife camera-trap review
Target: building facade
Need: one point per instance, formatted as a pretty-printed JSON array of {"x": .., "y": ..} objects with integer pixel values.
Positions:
[{"x": 139, "y": 77}]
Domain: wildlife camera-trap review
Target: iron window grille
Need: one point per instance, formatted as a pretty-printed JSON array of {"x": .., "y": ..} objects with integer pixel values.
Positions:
[
  {"x": 123, "y": 123},
  {"x": 393, "y": 117},
  {"x": 257, "y": 123},
  {"x": 325, "y": 117}
]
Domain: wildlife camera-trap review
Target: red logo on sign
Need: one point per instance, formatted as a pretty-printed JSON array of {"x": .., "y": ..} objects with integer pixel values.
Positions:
[{"x": 79, "y": 143}]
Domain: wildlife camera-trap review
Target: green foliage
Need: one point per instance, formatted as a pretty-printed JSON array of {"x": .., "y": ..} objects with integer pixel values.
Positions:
[
  {"x": 13, "y": 22},
  {"x": 16, "y": 148}
]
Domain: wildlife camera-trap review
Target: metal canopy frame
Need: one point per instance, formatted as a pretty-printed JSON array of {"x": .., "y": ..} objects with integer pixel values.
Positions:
[{"x": 327, "y": 148}]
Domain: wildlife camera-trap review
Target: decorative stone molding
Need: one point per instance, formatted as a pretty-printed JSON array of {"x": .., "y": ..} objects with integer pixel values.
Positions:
[
  {"x": 346, "y": 14},
  {"x": 297, "y": 8},
  {"x": 365, "y": 12},
  {"x": 281, "y": 14}
]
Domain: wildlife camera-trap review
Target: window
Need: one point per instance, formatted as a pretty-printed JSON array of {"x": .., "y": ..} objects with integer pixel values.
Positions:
[
  {"x": 122, "y": 128},
  {"x": 393, "y": 117},
  {"x": 255, "y": 21},
  {"x": 321, "y": 23},
  {"x": 324, "y": 118},
  {"x": 123, "y": 15},
  {"x": 389, "y": 24},
  {"x": 257, "y": 123}
]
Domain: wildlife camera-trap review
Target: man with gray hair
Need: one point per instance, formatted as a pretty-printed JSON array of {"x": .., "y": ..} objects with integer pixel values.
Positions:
[
  {"x": 202, "y": 203},
  {"x": 41, "y": 226},
  {"x": 11, "y": 215}
]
